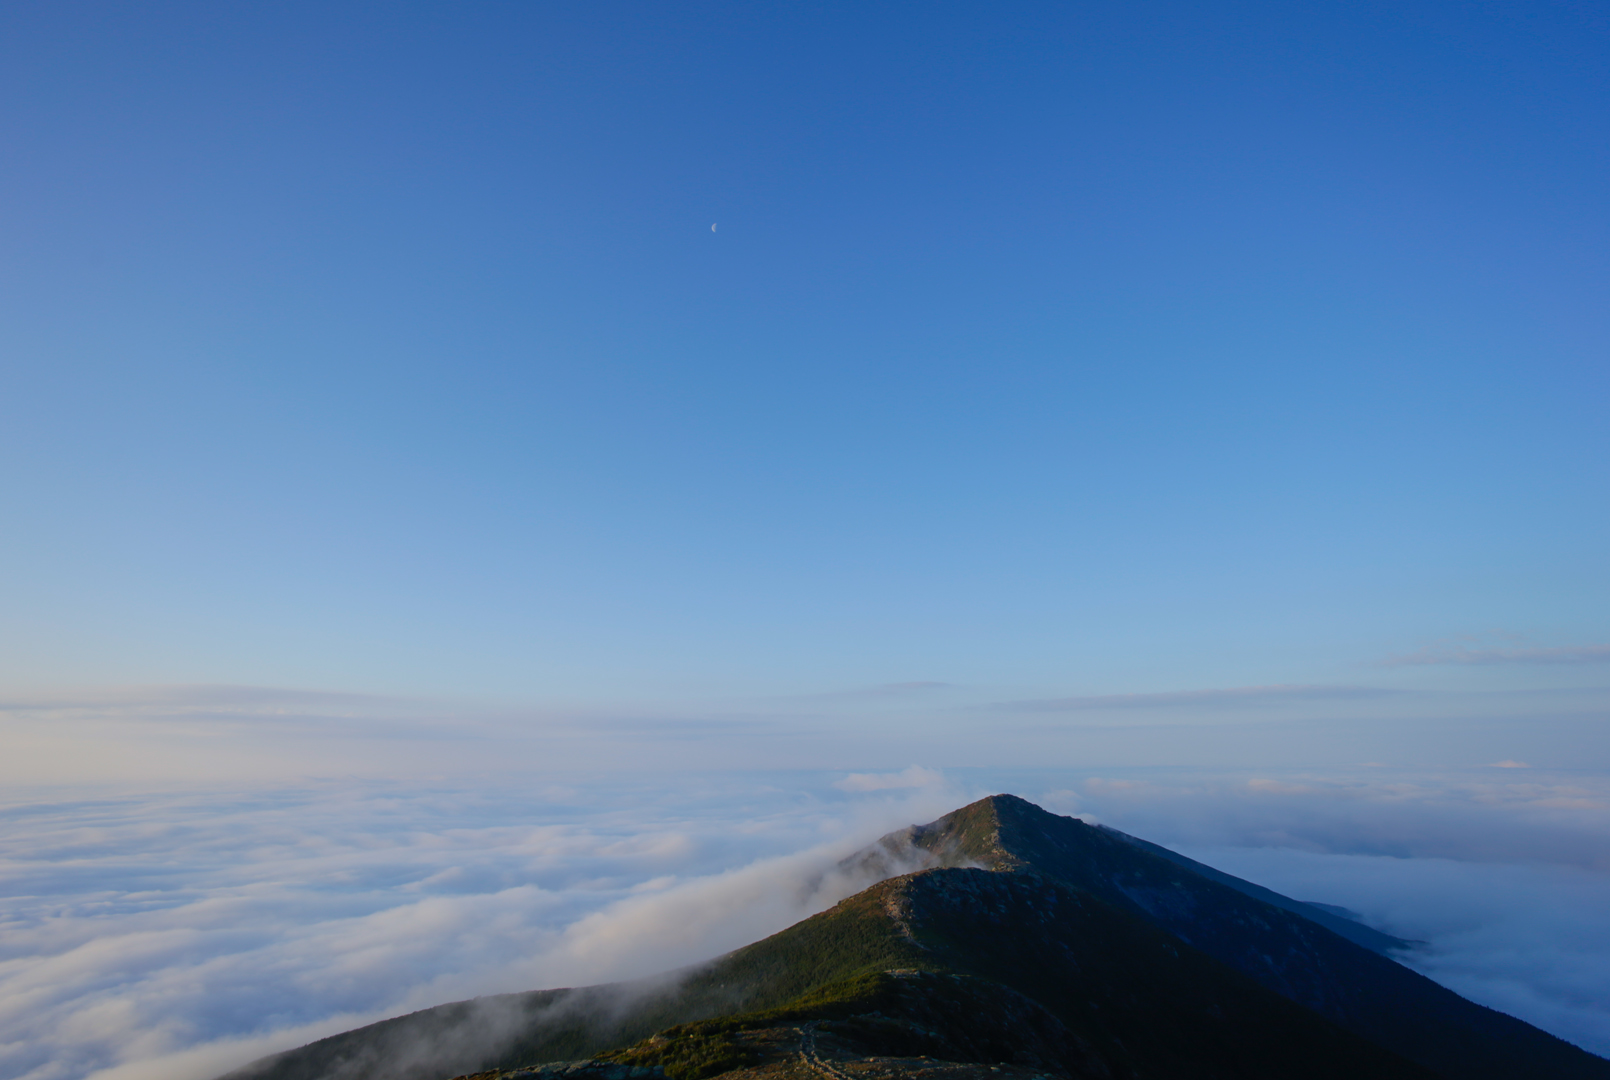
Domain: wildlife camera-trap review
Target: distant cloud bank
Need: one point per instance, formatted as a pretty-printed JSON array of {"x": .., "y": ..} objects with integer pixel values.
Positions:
[
  {"x": 914, "y": 777},
  {"x": 1232, "y": 696},
  {"x": 1564, "y": 654}
]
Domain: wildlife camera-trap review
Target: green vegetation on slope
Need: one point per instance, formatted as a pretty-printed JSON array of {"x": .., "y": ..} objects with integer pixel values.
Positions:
[
  {"x": 1018, "y": 967},
  {"x": 893, "y": 1014},
  {"x": 1075, "y": 951}
]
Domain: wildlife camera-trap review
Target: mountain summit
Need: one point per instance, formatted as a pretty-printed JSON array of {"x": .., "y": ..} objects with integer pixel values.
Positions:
[{"x": 1031, "y": 946}]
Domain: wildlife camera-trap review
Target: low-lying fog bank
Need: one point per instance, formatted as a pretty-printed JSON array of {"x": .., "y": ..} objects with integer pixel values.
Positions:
[{"x": 182, "y": 935}]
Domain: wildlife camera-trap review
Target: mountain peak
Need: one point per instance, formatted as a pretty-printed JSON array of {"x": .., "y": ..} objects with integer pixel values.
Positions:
[{"x": 1004, "y": 833}]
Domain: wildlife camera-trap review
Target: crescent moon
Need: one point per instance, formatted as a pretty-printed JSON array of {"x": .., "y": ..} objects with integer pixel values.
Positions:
[{"x": 712, "y": 228}]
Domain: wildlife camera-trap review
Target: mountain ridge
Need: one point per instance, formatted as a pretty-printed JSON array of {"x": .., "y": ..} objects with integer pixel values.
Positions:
[
  {"x": 1152, "y": 968},
  {"x": 1329, "y": 916}
]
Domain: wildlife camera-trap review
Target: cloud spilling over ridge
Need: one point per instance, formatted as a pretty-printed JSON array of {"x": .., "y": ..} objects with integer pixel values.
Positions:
[{"x": 177, "y": 937}]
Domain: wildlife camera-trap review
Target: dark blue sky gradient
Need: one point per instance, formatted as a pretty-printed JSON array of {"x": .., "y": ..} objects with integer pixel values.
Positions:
[{"x": 1067, "y": 348}]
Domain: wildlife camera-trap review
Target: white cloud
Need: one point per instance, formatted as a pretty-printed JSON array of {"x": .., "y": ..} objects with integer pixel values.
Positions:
[
  {"x": 913, "y": 777},
  {"x": 181, "y": 935}
]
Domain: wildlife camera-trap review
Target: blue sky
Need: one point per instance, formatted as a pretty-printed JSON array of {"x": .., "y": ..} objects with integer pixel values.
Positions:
[{"x": 1053, "y": 350}]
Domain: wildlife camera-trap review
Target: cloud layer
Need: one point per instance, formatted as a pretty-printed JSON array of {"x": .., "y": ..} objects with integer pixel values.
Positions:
[
  {"x": 173, "y": 931},
  {"x": 180, "y": 936}
]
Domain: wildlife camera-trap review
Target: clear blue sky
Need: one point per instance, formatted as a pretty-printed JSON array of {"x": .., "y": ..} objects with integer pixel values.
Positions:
[{"x": 1052, "y": 349}]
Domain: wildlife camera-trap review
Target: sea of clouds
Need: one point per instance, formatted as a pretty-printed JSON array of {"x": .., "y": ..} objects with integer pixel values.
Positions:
[
  {"x": 181, "y": 936},
  {"x": 179, "y": 924}
]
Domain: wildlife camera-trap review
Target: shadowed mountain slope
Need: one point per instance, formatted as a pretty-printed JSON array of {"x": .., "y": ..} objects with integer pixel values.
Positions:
[
  {"x": 1325, "y": 915},
  {"x": 1287, "y": 946}
]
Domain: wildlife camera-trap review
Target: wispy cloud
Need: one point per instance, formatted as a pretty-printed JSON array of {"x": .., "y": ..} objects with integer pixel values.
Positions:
[
  {"x": 1233, "y": 696},
  {"x": 254, "y": 700},
  {"x": 1459, "y": 654},
  {"x": 872, "y": 693},
  {"x": 914, "y": 777},
  {"x": 1476, "y": 815}
]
